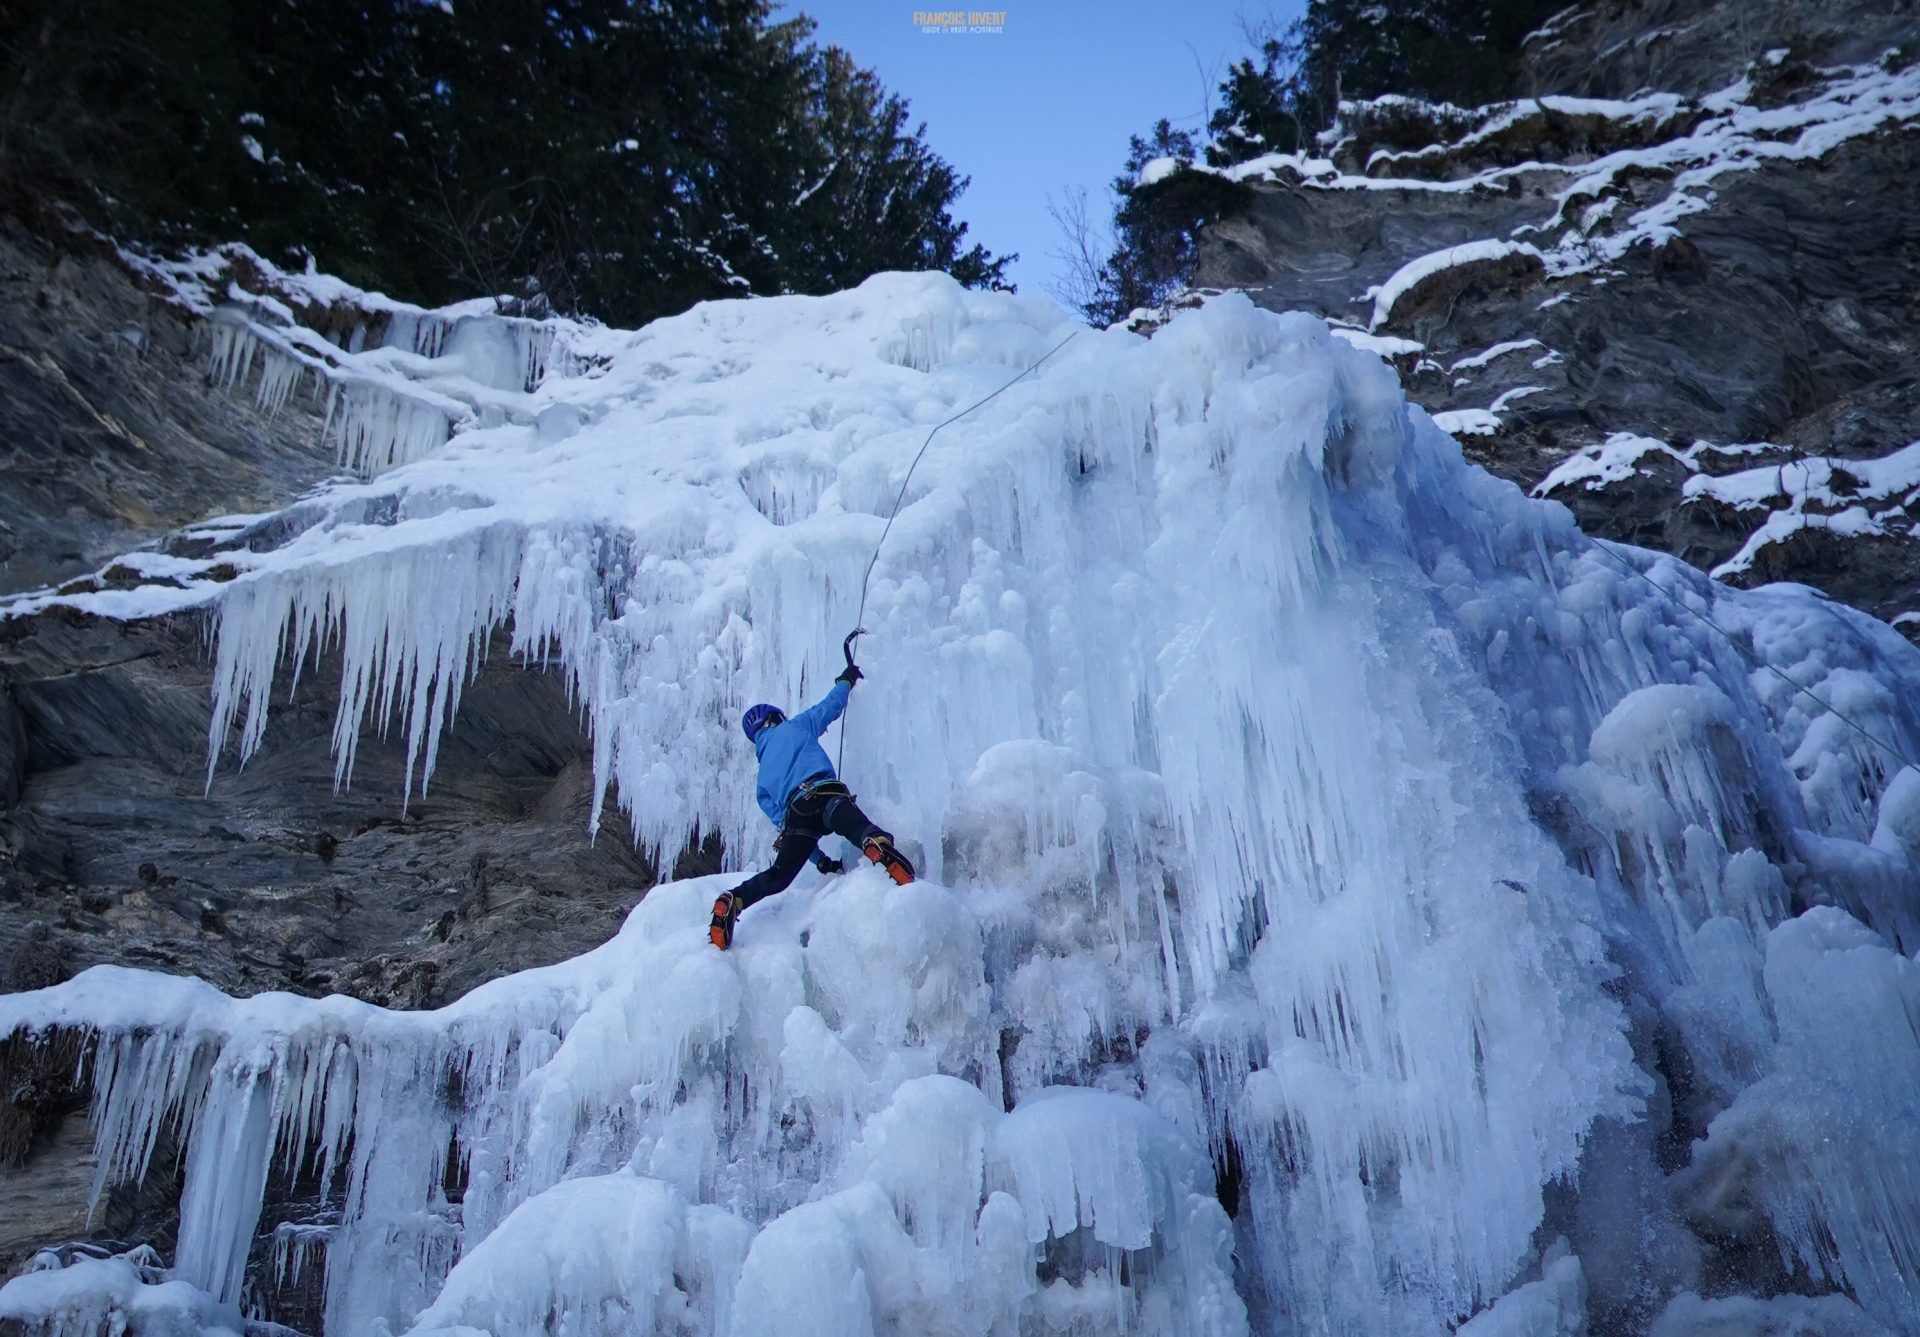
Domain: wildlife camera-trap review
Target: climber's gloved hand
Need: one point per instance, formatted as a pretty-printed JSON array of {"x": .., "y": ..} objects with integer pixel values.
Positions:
[
  {"x": 829, "y": 866},
  {"x": 850, "y": 675}
]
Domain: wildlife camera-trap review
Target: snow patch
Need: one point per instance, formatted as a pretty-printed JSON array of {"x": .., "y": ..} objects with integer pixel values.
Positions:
[
  {"x": 1410, "y": 275},
  {"x": 1846, "y": 498},
  {"x": 1494, "y": 353},
  {"x": 1612, "y": 461},
  {"x": 1467, "y": 422}
]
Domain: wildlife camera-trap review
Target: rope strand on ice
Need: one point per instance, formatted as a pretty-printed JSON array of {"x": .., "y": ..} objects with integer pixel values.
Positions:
[
  {"x": 1826, "y": 706},
  {"x": 860, "y": 618}
]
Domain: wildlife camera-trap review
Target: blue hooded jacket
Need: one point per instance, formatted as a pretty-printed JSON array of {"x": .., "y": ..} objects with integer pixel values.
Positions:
[{"x": 790, "y": 753}]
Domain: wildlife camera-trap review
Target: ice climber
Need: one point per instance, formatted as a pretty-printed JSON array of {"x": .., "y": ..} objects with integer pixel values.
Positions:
[{"x": 804, "y": 799}]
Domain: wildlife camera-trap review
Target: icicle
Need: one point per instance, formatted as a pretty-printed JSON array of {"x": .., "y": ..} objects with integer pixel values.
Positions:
[
  {"x": 279, "y": 377},
  {"x": 420, "y": 332},
  {"x": 1318, "y": 806},
  {"x": 296, "y": 1249},
  {"x": 233, "y": 348},
  {"x": 1836, "y": 1118},
  {"x": 376, "y": 428},
  {"x": 407, "y": 621},
  {"x": 227, "y": 1163},
  {"x": 237, "y": 342}
]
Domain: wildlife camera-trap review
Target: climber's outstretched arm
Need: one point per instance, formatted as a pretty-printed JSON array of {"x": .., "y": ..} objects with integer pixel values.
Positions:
[{"x": 815, "y": 718}]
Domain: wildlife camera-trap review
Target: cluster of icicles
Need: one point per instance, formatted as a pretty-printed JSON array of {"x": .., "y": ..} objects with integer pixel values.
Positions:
[{"x": 1333, "y": 856}]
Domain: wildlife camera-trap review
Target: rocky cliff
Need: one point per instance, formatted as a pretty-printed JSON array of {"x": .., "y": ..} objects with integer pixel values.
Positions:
[
  {"x": 115, "y": 848},
  {"x": 1675, "y": 289}
]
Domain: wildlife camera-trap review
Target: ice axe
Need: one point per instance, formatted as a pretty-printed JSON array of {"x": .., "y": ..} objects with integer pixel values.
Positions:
[{"x": 846, "y": 648}]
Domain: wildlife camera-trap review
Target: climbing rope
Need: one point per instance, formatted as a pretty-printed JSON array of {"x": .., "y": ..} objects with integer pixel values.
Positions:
[
  {"x": 846, "y": 646},
  {"x": 1754, "y": 659}
]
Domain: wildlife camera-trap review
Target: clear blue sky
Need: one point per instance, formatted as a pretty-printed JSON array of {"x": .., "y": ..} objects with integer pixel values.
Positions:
[{"x": 1047, "y": 103}]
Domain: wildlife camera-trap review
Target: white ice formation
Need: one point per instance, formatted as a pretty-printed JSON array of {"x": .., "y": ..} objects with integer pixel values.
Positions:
[{"x": 1356, "y": 902}]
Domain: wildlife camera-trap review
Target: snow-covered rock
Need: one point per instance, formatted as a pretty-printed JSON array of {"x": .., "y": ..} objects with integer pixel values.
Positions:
[{"x": 1702, "y": 220}]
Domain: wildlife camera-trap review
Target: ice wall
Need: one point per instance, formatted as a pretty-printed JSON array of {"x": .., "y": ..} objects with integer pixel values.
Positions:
[
  {"x": 1332, "y": 857},
  {"x": 395, "y": 380}
]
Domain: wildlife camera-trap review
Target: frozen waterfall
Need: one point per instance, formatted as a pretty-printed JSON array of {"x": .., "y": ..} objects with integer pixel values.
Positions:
[{"x": 1334, "y": 859}]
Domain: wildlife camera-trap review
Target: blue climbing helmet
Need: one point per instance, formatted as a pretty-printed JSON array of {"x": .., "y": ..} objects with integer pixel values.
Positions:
[{"x": 759, "y": 717}]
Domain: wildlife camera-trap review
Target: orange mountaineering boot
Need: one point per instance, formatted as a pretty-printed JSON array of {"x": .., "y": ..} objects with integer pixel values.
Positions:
[
  {"x": 879, "y": 848},
  {"x": 726, "y": 913}
]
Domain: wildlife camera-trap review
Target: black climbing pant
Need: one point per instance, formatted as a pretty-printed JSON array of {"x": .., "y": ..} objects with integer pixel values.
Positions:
[{"x": 817, "y": 807}]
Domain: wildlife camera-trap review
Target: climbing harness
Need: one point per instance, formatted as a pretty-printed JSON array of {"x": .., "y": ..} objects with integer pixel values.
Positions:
[{"x": 859, "y": 629}]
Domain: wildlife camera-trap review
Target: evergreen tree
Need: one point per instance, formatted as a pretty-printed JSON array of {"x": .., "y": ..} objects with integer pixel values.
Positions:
[
  {"x": 621, "y": 157},
  {"x": 1279, "y": 100},
  {"x": 106, "y": 106},
  {"x": 1461, "y": 51},
  {"x": 857, "y": 162},
  {"x": 1157, "y": 226},
  {"x": 1259, "y": 109}
]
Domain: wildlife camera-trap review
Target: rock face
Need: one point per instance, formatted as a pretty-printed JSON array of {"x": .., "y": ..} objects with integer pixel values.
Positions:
[
  {"x": 114, "y": 845},
  {"x": 1732, "y": 259},
  {"x": 1616, "y": 48},
  {"x": 109, "y": 432},
  {"x": 118, "y": 851},
  {"x": 115, "y": 848}
]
